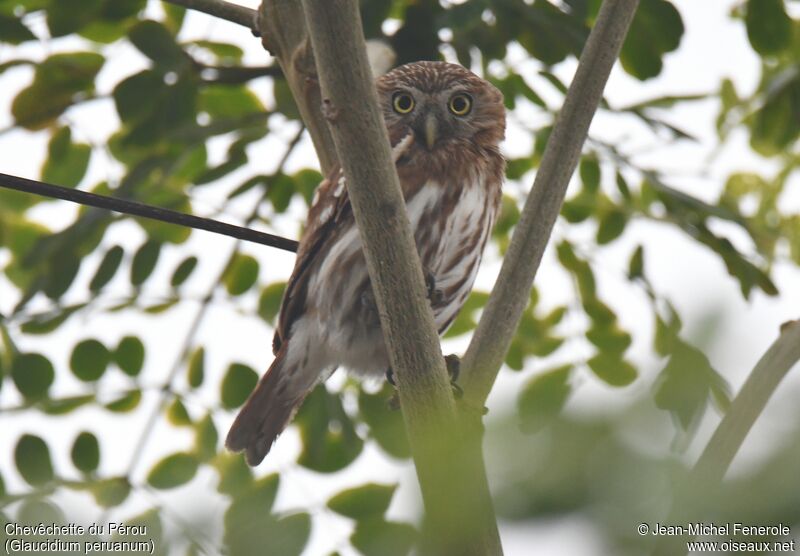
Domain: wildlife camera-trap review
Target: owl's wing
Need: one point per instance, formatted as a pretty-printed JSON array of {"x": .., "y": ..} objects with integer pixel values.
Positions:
[{"x": 330, "y": 208}]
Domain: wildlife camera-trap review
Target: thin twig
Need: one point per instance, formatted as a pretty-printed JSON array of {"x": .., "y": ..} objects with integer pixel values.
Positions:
[
  {"x": 135, "y": 208},
  {"x": 745, "y": 408},
  {"x": 234, "y": 13},
  {"x": 497, "y": 326}
]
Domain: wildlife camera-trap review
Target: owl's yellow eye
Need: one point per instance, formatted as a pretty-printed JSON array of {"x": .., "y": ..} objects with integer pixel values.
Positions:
[
  {"x": 403, "y": 103},
  {"x": 460, "y": 104}
]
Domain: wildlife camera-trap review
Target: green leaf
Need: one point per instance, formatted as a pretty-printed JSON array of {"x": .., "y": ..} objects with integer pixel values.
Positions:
[
  {"x": 543, "y": 397},
  {"x": 109, "y": 493},
  {"x": 85, "y": 452},
  {"x": 44, "y": 323},
  {"x": 173, "y": 471},
  {"x": 129, "y": 355},
  {"x": 375, "y": 537},
  {"x": 33, "y": 375},
  {"x": 269, "y": 302},
  {"x": 177, "y": 414},
  {"x": 369, "y": 500},
  {"x": 237, "y": 384},
  {"x": 590, "y": 173},
  {"x": 228, "y": 101},
  {"x": 386, "y": 426},
  {"x": 224, "y": 52},
  {"x": 249, "y": 533},
  {"x": 144, "y": 262},
  {"x": 205, "y": 438},
  {"x": 330, "y": 442},
  {"x": 157, "y": 43},
  {"x": 241, "y": 275},
  {"x": 55, "y": 87},
  {"x": 14, "y": 31},
  {"x": 183, "y": 271},
  {"x": 769, "y": 27},
  {"x": 89, "y": 360},
  {"x": 235, "y": 476},
  {"x": 62, "y": 406},
  {"x": 66, "y": 162},
  {"x": 686, "y": 382},
  {"x": 108, "y": 267},
  {"x": 656, "y": 29},
  {"x": 197, "y": 365},
  {"x": 467, "y": 317},
  {"x": 612, "y": 224},
  {"x": 609, "y": 338},
  {"x": 612, "y": 369},
  {"x": 125, "y": 403},
  {"x": 67, "y": 16},
  {"x": 636, "y": 264},
  {"x": 257, "y": 499},
  {"x": 32, "y": 458}
]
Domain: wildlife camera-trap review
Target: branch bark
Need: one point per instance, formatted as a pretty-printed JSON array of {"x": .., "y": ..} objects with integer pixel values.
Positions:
[
  {"x": 782, "y": 355},
  {"x": 224, "y": 10},
  {"x": 285, "y": 36},
  {"x": 453, "y": 516},
  {"x": 497, "y": 326}
]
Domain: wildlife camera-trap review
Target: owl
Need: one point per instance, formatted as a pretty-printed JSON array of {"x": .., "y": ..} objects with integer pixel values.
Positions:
[{"x": 445, "y": 125}]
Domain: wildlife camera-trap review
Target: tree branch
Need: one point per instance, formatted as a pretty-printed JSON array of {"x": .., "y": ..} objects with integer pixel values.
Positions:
[
  {"x": 234, "y": 13},
  {"x": 453, "y": 517},
  {"x": 497, "y": 326},
  {"x": 284, "y": 34},
  {"x": 782, "y": 355}
]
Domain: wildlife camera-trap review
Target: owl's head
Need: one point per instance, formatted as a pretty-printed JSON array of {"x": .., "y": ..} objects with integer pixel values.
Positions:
[{"x": 445, "y": 106}]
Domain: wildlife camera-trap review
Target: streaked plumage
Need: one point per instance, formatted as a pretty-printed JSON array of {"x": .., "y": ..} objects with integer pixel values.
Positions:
[{"x": 451, "y": 173}]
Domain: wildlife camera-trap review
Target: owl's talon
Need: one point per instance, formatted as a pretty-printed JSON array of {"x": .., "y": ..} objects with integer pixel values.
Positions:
[
  {"x": 390, "y": 377},
  {"x": 453, "y": 364},
  {"x": 394, "y": 402},
  {"x": 436, "y": 296}
]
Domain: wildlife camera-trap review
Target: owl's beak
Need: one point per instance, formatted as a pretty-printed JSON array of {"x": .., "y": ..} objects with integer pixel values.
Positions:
[{"x": 431, "y": 130}]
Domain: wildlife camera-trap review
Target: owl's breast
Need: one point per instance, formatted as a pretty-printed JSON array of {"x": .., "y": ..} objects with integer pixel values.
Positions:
[{"x": 451, "y": 225}]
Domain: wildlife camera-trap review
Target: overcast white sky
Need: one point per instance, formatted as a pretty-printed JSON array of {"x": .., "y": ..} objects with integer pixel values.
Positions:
[{"x": 713, "y": 47}]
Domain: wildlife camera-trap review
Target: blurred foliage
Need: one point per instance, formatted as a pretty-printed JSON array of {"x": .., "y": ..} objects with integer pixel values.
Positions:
[{"x": 188, "y": 94}]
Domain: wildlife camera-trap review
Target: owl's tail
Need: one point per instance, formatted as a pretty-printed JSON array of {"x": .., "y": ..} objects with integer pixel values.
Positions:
[{"x": 266, "y": 412}]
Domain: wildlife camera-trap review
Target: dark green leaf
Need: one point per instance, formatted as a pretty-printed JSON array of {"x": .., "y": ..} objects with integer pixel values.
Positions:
[
  {"x": 197, "y": 365},
  {"x": 108, "y": 267},
  {"x": 85, "y": 452},
  {"x": 173, "y": 471},
  {"x": 543, "y": 397},
  {"x": 183, "y": 271},
  {"x": 612, "y": 224},
  {"x": 330, "y": 442},
  {"x": 157, "y": 43},
  {"x": 205, "y": 439},
  {"x": 32, "y": 458},
  {"x": 269, "y": 303},
  {"x": 386, "y": 426},
  {"x": 55, "y": 87},
  {"x": 33, "y": 375},
  {"x": 62, "y": 406},
  {"x": 636, "y": 264},
  {"x": 66, "y": 162},
  {"x": 612, "y": 369},
  {"x": 228, "y": 101},
  {"x": 656, "y": 29},
  {"x": 590, "y": 173},
  {"x": 609, "y": 338},
  {"x": 13, "y": 31},
  {"x": 769, "y": 27},
  {"x": 126, "y": 402},
  {"x": 67, "y": 16},
  {"x": 89, "y": 360},
  {"x": 237, "y": 384},
  {"x": 685, "y": 383},
  {"x": 177, "y": 414},
  {"x": 235, "y": 476},
  {"x": 111, "y": 492},
  {"x": 44, "y": 323},
  {"x": 369, "y": 500},
  {"x": 241, "y": 274},
  {"x": 375, "y": 537},
  {"x": 144, "y": 262},
  {"x": 129, "y": 355}
]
